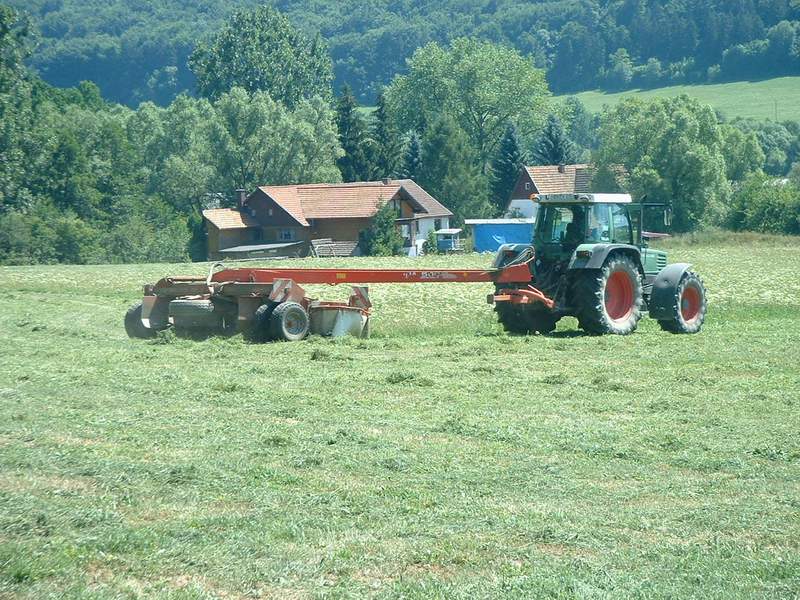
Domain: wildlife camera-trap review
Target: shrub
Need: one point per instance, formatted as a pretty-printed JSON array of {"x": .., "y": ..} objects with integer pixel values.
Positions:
[{"x": 766, "y": 205}]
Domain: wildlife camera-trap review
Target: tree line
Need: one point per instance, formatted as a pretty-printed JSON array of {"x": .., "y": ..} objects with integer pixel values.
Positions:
[
  {"x": 137, "y": 51},
  {"x": 84, "y": 180}
]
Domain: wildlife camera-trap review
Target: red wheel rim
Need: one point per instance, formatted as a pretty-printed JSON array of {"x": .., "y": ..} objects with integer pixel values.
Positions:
[
  {"x": 619, "y": 296},
  {"x": 691, "y": 302}
]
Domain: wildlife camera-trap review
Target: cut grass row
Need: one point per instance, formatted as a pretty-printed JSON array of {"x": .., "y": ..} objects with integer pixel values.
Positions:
[{"x": 441, "y": 458}]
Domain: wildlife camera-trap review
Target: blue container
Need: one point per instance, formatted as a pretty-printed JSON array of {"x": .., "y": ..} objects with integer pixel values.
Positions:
[{"x": 489, "y": 236}]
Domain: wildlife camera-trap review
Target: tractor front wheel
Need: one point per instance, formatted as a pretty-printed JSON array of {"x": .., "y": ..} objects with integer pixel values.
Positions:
[
  {"x": 689, "y": 307},
  {"x": 609, "y": 300},
  {"x": 134, "y": 326}
]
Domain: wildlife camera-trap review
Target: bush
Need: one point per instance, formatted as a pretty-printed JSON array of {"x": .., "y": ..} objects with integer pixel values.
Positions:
[
  {"x": 766, "y": 205},
  {"x": 382, "y": 237},
  {"x": 431, "y": 243}
]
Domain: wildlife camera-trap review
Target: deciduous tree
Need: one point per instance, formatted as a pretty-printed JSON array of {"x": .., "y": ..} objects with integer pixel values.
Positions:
[
  {"x": 260, "y": 50},
  {"x": 672, "y": 149},
  {"x": 480, "y": 85}
]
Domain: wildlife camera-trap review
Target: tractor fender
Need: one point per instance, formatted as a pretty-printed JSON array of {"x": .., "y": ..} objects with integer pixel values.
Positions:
[
  {"x": 593, "y": 256},
  {"x": 665, "y": 286}
]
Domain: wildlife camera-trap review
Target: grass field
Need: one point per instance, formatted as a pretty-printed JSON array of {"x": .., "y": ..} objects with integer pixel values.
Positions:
[
  {"x": 439, "y": 459},
  {"x": 740, "y": 99}
]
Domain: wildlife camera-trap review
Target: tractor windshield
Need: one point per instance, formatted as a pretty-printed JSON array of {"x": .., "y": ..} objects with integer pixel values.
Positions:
[
  {"x": 572, "y": 225},
  {"x": 566, "y": 225}
]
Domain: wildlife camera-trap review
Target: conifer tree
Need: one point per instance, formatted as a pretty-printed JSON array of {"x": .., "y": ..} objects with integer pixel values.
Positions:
[
  {"x": 554, "y": 147},
  {"x": 355, "y": 165},
  {"x": 382, "y": 238},
  {"x": 505, "y": 169},
  {"x": 412, "y": 160},
  {"x": 388, "y": 144},
  {"x": 451, "y": 172}
]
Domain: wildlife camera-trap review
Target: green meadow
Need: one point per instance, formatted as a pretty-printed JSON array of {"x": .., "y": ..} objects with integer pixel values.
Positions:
[
  {"x": 761, "y": 100},
  {"x": 441, "y": 458}
]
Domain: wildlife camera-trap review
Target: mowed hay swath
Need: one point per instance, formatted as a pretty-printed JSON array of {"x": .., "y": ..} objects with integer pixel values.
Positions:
[{"x": 439, "y": 458}]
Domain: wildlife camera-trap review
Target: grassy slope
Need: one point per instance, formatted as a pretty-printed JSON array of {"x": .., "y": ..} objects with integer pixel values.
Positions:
[
  {"x": 740, "y": 99},
  {"x": 441, "y": 458}
]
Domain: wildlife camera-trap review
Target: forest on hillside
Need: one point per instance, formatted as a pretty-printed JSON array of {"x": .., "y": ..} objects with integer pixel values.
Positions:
[
  {"x": 88, "y": 180},
  {"x": 138, "y": 50}
]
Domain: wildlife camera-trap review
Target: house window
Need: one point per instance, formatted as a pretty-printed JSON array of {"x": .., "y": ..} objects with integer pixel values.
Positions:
[
  {"x": 258, "y": 235},
  {"x": 437, "y": 224},
  {"x": 527, "y": 185},
  {"x": 286, "y": 235}
]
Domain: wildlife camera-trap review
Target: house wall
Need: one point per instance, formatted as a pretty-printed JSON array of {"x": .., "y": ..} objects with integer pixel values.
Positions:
[
  {"x": 428, "y": 224},
  {"x": 340, "y": 230},
  {"x": 268, "y": 212},
  {"x": 228, "y": 238},
  {"x": 524, "y": 186}
]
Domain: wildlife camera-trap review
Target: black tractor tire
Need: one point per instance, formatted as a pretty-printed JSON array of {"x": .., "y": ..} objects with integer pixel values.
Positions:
[
  {"x": 260, "y": 331},
  {"x": 289, "y": 322},
  {"x": 609, "y": 300},
  {"x": 689, "y": 306},
  {"x": 522, "y": 320},
  {"x": 134, "y": 326}
]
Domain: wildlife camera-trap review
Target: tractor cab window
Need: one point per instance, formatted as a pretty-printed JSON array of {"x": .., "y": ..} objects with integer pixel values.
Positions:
[
  {"x": 599, "y": 224},
  {"x": 556, "y": 223},
  {"x": 623, "y": 233}
]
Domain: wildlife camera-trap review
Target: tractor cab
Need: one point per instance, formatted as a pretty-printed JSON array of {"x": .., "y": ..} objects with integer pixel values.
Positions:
[{"x": 566, "y": 221}]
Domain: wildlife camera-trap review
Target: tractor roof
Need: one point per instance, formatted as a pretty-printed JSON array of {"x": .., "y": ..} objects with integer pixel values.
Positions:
[{"x": 585, "y": 199}]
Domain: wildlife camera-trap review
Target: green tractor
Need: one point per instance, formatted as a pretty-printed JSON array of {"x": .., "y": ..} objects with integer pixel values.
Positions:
[{"x": 590, "y": 260}]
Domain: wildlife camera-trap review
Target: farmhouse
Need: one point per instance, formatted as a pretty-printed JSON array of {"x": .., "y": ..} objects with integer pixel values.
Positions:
[
  {"x": 552, "y": 179},
  {"x": 285, "y": 220}
]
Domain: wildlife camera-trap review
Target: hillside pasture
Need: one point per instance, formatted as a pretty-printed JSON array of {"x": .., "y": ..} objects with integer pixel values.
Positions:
[
  {"x": 441, "y": 458},
  {"x": 775, "y": 99}
]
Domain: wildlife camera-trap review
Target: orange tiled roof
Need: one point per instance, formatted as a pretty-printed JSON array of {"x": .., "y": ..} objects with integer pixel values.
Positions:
[
  {"x": 576, "y": 179},
  {"x": 228, "y": 218},
  {"x": 349, "y": 200}
]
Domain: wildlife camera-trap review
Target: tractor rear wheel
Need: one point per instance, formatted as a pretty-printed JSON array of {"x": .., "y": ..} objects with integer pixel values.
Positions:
[
  {"x": 522, "y": 319},
  {"x": 134, "y": 326},
  {"x": 689, "y": 307},
  {"x": 290, "y": 322},
  {"x": 609, "y": 300}
]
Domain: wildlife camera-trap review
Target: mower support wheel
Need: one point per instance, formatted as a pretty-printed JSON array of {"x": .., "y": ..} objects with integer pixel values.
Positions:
[
  {"x": 689, "y": 307},
  {"x": 134, "y": 326},
  {"x": 609, "y": 300},
  {"x": 289, "y": 322},
  {"x": 260, "y": 330}
]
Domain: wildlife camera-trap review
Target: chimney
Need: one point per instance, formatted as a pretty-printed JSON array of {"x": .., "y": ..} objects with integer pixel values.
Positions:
[
  {"x": 241, "y": 197},
  {"x": 562, "y": 168},
  {"x": 386, "y": 181}
]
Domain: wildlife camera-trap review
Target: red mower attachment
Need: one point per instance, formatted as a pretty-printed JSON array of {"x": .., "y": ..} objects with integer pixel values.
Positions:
[
  {"x": 271, "y": 304},
  {"x": 526, "y": 295}
]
